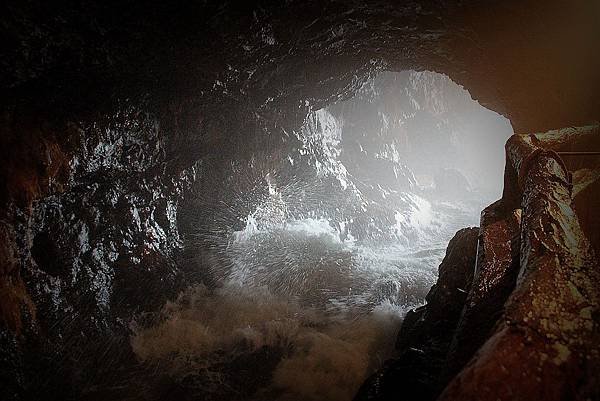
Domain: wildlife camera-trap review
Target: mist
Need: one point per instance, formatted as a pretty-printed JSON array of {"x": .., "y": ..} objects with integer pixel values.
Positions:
[{"x": 315, "y": 258}]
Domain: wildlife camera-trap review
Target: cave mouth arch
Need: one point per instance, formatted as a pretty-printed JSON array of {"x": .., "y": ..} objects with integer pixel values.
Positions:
[{"x": 323, "y": 240}]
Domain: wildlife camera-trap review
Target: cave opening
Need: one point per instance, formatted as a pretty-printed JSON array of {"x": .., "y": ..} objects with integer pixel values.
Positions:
[{"x": 321, "y": 241}]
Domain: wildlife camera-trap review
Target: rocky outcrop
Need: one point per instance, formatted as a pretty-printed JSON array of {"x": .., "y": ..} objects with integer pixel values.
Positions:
[
  {"x": 426, "y": 333},
  {"x": 528, "y": 328},
  {"x": 549, "y": 329},
  {"x": 495, "y": 276},
  {"x": 90, "y": 222}
]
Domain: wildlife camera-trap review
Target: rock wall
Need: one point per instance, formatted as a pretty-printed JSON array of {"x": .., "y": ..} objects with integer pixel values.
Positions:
[
  {"x": 426, "y": 333},
  {"x": 525, "y": 326},
  {"x": 81, "y": 227}
]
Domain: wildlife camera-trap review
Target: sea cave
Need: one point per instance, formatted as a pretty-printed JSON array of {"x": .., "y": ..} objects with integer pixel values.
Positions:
[{"x": 300, "y": 200}]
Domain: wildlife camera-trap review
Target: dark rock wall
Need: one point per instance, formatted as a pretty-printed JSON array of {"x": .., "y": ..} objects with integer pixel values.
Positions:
[
  {"x": 495, "y": 278},
  {"x": 526, "y": 327},
  {"x": 426, "y": 333},
  {"x": 109, "y": 219},
  {"x": 534, "y": 63}
]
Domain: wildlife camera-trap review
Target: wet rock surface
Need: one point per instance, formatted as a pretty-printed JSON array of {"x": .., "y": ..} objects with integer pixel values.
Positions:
[
  {"x": 495, "y": 278},
  {"x": 528, "y": 327},
  {"x": 110, "y": 221},
  {"x": 426, "y": 333},
  {"x": 549, "y": 327},
  {"x": 73, "y": 52}
]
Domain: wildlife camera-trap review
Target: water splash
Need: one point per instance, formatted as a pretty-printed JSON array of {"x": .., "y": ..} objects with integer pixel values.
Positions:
[
  {"x": 320, "y": 355},
  {"x": 314, "y": 261}
]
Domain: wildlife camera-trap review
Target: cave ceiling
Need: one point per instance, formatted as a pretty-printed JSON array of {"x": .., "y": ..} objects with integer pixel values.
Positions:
[{"x": 534, "y": 62}]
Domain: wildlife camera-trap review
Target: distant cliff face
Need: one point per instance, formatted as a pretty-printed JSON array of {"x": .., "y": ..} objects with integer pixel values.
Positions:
[{"x": 114, "y": 113}]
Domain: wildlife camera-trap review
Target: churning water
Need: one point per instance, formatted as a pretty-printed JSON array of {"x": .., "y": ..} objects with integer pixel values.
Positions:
[
  {"x": 309, "y": 285},
  {"x": 304, "y": 311}
]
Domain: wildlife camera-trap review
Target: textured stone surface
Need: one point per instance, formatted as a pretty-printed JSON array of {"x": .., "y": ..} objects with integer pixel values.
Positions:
[
  {"x": 95, "y": 220},
  {"x": 529, "y": 326},
  {"x": 550, "y": 327},
  {"x": 426, "y": 332},
  {"x": 262, "y": 50},
  {"x": 495, "y": 278}
]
